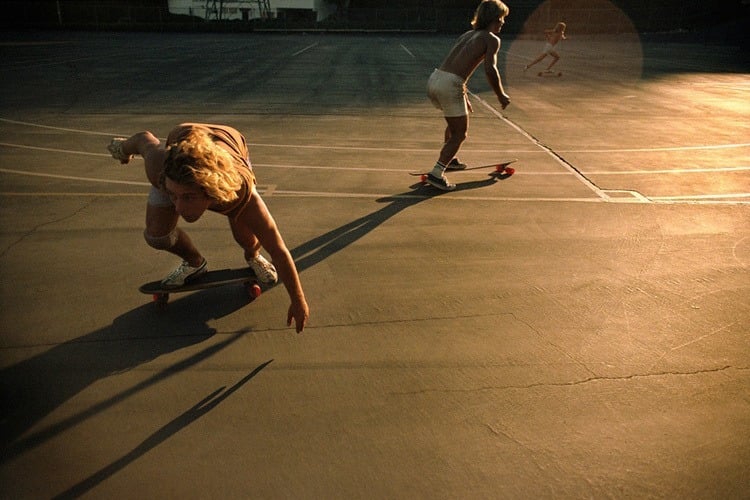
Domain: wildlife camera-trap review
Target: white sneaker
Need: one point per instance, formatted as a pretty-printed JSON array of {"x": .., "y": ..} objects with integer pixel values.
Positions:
[
  {"x": 441, "y": 182},
  {"x": 264, "y": 270},
  {"x": 184, "y": 274}
]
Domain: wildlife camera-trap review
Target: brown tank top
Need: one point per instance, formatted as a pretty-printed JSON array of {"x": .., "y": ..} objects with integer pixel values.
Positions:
[{"x": 234, "y": 142}]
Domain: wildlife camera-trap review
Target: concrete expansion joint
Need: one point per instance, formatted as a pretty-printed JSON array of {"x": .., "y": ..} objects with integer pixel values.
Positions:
[
  {"x": 36, "y": 228},
  {"x": 574, "y": 383}
]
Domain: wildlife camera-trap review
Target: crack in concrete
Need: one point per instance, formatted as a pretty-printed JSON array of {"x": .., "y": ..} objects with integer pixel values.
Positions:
[
  {"x": 577, "y": 382},
  {"x": 36, "y": 228}
]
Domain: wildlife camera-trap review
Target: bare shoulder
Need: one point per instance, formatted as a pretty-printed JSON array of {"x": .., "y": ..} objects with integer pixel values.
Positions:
[{"x": 491, "y": 40}]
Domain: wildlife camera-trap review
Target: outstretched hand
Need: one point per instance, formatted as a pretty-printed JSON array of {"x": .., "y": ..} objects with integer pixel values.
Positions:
[
  {"x": 299, "y": 313},
  {"x": 115, "y": 149},
  {"x": 504, "y": 101}
]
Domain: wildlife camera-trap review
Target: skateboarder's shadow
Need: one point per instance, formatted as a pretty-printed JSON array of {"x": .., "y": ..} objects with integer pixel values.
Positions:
[
  {"x": 318, "y": 249},
  {"x": 33, "y": 388}
]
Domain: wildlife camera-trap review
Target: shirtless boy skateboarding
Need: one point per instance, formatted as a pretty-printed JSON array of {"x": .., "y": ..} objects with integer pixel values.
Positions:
[
  {"x": 553, "y": 36},
  {"x": 446, "y": 87},
  {"x": 207, "y": 167}
]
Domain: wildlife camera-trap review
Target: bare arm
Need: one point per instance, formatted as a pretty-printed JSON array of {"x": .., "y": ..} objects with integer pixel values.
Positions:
[
  {"x": 145, "y": 144},
  {"x": 490, "y": 69},
  {"x": 257, "y": 220}
]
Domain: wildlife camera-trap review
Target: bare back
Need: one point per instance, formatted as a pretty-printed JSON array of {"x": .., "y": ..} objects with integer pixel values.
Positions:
[
  {"x": 470, "y": 50},
  {"x": 553, "y": 37}
]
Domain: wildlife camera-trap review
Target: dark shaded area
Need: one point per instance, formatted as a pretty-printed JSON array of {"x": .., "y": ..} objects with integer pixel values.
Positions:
[
  {"x": 33, "y": 388},
  {"x": 718, "y": 22}
]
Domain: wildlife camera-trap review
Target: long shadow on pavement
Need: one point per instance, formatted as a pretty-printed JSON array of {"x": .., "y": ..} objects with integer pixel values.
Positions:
[
  {"x": 318, "y": 249},
  {"x": 33, "y": 388},
  {"x": 165, "y": 432}
]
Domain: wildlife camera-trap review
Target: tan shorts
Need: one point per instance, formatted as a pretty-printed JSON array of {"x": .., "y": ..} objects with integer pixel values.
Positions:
[{"x": 448, "y": 92}]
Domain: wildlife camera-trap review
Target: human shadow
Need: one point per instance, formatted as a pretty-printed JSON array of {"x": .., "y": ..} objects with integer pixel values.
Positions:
[
  {"x": 161, "y": 435},
  {"x": 33, "y": 388},
  {"x": 318, "y": 249}
]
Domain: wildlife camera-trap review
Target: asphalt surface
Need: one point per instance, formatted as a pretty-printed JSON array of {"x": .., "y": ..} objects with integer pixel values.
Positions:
[{"x": 576, "y": 330}]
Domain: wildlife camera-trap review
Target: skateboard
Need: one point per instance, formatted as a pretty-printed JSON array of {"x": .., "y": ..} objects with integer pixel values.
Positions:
[
  {"x": 500, "y": 168},
  {"x": 549, "y": 73},
  {"x": 210, "y": 279}
]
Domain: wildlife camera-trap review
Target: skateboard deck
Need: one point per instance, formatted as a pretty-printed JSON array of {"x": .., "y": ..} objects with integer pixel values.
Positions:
[
  {"x": 549, "y": 73},
  {"x": 500, "y": 168},
  {"x": 210, "y": 279}
]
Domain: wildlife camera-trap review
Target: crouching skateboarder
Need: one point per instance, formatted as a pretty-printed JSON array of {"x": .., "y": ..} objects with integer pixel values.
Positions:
[{"x": 207, "y": 167}]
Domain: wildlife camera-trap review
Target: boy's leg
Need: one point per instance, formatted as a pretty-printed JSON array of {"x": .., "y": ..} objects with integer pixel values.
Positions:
[
  {"x": 243, "y": 235},
  {"x": 454, "y": 163},
  {"x": 162, "y": 233},
  {"x": 538, "y": 59},
  {"x": 555, "y": 58},
  {"x": 455, "y": 135}
]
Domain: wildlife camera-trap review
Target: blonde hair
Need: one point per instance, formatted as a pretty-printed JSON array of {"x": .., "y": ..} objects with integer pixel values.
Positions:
[
  {"x": 488, "y": 12},
  {"x": 198, "y": 160}
]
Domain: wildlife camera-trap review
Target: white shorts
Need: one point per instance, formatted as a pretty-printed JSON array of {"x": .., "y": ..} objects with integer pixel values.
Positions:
[{"x": 447, "y": 91}]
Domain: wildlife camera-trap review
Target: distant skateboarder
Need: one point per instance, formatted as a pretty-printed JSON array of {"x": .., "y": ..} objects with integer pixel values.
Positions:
[
  {"x": 553, "y": 36},
  {"x": 206, "y": 167},
  {"x": 447, "y": 84}
]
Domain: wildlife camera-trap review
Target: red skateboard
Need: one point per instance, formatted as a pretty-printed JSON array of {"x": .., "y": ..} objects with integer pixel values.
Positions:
[{"x": 500, "y": 169}]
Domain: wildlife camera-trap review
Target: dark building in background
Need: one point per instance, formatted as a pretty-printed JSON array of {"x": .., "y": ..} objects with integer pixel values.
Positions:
[{"x": 720, "y": 20}]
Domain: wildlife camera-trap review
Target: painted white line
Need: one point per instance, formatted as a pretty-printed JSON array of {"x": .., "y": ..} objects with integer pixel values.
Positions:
[
  {"x": 306, "y": 194},
  {"x": 53, "y": 150},
  {"x": 73, "y": 178},
  {"x": 364, "y": 148},
  {"x": 435, "y": 149},
  {"x": 408, "y": 51},
  {"x": 632, "y": 196},
  {"x": 670, "y": 171},
  {"x": 708, "y": 147},
  {"x": 697, "y": 200},
  {"x": 381, "y": 170},
  {"x": 438, "y": 196},
  {"x": 726, "y": 196},
  {"x": 63, "y": 129},
  {"x": 305, "y": 49},
  {"x": 547, "y": 150},
  {"x": 73, "y": 195}
]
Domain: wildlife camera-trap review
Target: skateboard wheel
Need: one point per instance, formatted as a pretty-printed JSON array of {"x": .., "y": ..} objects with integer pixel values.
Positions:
[
  {"x": 253, "y": 290},
  {"x": 161, "y": 299},
  {"x": 510, "y": 170}
]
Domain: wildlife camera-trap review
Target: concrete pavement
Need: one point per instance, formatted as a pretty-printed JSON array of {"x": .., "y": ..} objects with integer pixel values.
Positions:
[{"x": 576, "y": 330}]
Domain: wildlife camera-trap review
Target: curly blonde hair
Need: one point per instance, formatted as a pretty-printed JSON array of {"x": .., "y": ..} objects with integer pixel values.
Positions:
[
  {"x": 488, "y": 12},
  {"x": 198, "y": 160}
]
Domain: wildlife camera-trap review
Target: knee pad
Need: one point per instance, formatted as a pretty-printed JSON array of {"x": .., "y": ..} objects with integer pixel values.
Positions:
[{"x": 162, "y": 242}]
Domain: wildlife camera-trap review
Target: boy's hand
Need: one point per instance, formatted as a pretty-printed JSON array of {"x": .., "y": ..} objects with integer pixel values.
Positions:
[
  {"x": 115, "y": 149},
  {"x": 504, "y": 100},
  {"x": 300, "y": 313}
]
